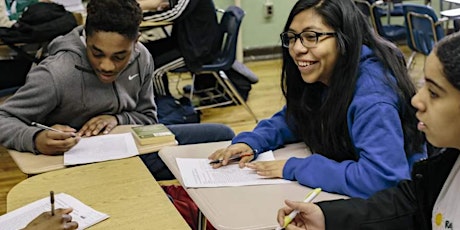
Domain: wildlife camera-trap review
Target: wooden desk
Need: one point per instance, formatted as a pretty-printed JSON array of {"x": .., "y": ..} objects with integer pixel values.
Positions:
[
  {"x": 124, "y": 189},
  {"x": 30, "y": 163},
  {"x": 246, "y": 207}
]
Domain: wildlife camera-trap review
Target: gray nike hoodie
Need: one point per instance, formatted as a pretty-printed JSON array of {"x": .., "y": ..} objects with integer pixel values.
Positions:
[{"x": 63, "y": 89}]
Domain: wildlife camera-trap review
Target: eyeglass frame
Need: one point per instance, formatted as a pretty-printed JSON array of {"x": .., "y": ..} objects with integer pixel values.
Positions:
[{"x": 298, "y": 36}]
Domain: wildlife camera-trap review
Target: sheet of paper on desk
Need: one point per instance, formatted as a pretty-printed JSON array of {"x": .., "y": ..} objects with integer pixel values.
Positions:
[
  {"x": 198, "y": 173},
  {"x": 71, "y": 5},
  {"x": 101, "y": 148},
  {"x": 83, "y": 214}
]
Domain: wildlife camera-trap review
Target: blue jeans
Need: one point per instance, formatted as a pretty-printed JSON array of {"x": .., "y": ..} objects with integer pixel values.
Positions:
[{"x": 186, "y": 134}]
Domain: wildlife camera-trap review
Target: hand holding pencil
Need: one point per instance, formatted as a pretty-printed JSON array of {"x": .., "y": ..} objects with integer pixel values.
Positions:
[
  {"x": 239, "y": 151},
  {"x": 301, "y": 215},
  {"x": 54, "y": 140},
  {"x": 45, "y": 221}
]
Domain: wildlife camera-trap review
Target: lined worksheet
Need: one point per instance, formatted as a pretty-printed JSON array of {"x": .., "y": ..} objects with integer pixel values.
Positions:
[
  {"x": 197, "y": 172},
  {"x": 83, "y": 214},
  {"x": 101, "y": 148}
]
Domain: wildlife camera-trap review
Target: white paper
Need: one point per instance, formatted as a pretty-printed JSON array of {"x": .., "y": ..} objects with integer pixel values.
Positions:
[
  {"x": 84, "y": 215},
  {"x": 101, "y": 148},
  {"x": 71, "y": 5},
  {"x": 197, "y": 172}
]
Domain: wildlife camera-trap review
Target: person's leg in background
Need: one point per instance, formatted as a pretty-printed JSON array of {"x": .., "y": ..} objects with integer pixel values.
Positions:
[
  {"x": 201, "y": 133},
  {"x": 186, "y": 134},
  {"x": 457, "y": 25},
  {"x": 166, "y": 56}
]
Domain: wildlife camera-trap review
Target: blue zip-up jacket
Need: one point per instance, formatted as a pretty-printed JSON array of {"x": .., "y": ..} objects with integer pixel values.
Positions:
[{"x": 375, "y": 129}]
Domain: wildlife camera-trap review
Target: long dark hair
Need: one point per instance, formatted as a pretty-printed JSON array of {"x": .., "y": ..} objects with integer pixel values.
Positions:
[
  {"x": 322, "y": 122},
  {"x": 447, "y": 51},
  {"x": 120, "y": 16}
]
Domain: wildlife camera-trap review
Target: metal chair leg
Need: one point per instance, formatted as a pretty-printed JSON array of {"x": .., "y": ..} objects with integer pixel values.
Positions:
[
  {"x": 411, "y": 60},
  {"x": 236, "y": 94}
]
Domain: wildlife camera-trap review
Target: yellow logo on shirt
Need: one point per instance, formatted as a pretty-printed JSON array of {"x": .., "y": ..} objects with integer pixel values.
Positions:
[{"x": 438, "y": 219}]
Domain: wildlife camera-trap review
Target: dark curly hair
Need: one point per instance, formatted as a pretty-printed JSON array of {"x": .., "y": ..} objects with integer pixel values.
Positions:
[
  {"x": 447, "y": 50},
  {"x": 120, "y": 16}
]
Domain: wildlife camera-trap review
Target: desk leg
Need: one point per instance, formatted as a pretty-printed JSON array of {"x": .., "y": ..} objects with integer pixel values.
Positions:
[
  {"x": 201, "y": 221},
  {"x": 389, "y": 7},
  {"x": 388, "y": 14}
]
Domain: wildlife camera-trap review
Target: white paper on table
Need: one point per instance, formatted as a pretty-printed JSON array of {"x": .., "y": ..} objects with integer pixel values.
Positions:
[
  {"x": 84, "y": 215},
  {"x": 197, "y": 172},
  {"x": 101, "y": 148},
  {"x": 71, "y": 5}
]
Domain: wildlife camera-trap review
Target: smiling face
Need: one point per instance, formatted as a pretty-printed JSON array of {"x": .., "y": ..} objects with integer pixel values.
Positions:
[
  {"x": 108, "y": 54},
  {"x": 438, "y": 105},
  {"x": 315, "y": 64}
]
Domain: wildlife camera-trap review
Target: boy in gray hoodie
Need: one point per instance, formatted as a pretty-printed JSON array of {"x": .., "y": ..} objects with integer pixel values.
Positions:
[{"x": 97, "y": 77}]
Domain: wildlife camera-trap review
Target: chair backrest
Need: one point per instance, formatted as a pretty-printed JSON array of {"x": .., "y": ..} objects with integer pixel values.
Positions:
[
  {"x": 374, "y": 11},
  {"x": 422, "y": 27},
  {"x": 371, "y": 10},
  {"x": 376, "y": 18},
  {"x": 229, "y": 27},
  {"x": 365, "y": 7}
]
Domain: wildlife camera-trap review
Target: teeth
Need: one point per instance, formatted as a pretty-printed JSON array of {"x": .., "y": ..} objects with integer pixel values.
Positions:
[{"x": 304, "y": 63}]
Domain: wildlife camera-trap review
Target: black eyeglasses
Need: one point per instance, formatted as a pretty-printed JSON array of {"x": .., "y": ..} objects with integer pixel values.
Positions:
[{"x": 309, "y": 39}]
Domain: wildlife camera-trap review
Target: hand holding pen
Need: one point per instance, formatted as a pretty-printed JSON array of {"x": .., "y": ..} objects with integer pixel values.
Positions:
[
  {"x": 56, "y": 140},
  {"x": 302, "y": 215},
  {"x": 56, "y": 219},
  {"x": 239, "y": 151},
  {"x": 232, "y": 158},
  {"x": 72, "y": 131}
]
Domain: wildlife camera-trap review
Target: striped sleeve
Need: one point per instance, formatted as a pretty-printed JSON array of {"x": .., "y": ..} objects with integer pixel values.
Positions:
[{"x": 168, "y": 15}]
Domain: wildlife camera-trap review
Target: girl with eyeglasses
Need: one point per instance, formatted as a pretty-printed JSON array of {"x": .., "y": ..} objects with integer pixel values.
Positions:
[
  {"x": 428, "y": 200},
  {"x": 347, "y": 98}
]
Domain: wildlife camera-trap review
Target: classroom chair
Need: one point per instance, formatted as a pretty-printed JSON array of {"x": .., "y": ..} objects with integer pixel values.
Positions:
[
  {"x": 229, "y": 27},
  {"x": 393, "y": 8},
  {"x": 393, "y": 33},
  {"x": 423, "y": 28}
]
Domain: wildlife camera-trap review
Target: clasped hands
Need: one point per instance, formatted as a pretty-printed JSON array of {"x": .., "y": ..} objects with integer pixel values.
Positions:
[
  {"x": 53, "y": 143},
  {"x": 269, "y": 169}
]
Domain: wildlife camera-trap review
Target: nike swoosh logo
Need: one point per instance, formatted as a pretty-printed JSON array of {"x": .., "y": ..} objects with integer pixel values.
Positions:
[{"x": 131, "y": 77}]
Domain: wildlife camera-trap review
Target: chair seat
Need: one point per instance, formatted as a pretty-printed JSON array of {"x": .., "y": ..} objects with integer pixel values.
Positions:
[{"x": 394, "y": 32}]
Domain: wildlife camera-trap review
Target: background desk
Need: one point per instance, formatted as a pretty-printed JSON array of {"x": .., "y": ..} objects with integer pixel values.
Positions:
[
  {"x": 30, "y": 163},
  {"x": 154, "y": 24},
  {"x": 124, "y": 189},
  {"x": 451, "y": 14},
  {"x": 246, "y": 207}
]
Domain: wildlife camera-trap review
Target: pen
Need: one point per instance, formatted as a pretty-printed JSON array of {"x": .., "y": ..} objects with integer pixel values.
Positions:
[
  {"x": 234, "y": 157},
  {"x": 52, "y": 202},
  {"x": 47, "y": 127},
  {"x": 310, "y": 196}
]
